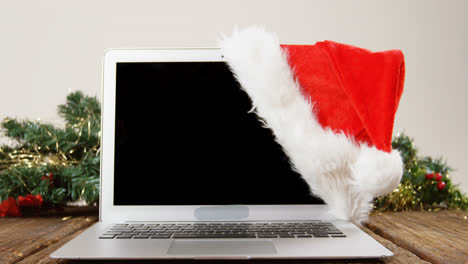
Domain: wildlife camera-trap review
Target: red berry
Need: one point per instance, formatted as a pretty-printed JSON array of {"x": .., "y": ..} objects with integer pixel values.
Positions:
[
  {"x": 49, "y": 177},
  {"x": 437, "y": 176},
  {"x": 429, "y": 176},
  {"x": 441, "y": 185}
]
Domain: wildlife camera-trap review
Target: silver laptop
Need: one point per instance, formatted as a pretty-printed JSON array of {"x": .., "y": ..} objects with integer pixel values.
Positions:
[{"x": 188, "y": 172}]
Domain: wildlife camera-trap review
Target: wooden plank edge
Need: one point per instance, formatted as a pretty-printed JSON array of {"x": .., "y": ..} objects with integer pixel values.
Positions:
[
  {"x": 43, "y": 256},
  {"x": 64, "y": 232},
  {"x": 422, "y": 253},
  {"x": 401, "y": 255}
]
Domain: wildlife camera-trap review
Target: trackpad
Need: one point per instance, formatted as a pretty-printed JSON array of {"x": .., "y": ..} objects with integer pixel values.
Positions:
[{"x": 221, "y": 247}]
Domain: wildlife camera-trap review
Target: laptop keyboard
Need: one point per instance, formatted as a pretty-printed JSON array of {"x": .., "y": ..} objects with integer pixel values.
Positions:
[{"x": 316, "y": 229}]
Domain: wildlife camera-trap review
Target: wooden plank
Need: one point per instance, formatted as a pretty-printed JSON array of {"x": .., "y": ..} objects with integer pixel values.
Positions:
[
  {"x": 437, "y": 237},
  {"x": 22, "y": 237},
  {"x": 42, "y": 256},
  {"x": 401, "y": 255}
]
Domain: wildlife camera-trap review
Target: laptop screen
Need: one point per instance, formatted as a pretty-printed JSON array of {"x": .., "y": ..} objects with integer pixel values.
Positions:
[{"x": 184, "y": 136}]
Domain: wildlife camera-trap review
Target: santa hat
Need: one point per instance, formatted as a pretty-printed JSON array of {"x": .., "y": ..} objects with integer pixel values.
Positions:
[{"x": 331, "y": 106}]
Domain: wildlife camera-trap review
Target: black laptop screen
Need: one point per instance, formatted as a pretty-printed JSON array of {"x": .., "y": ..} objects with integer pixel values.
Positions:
[{"x": 184, "y": 136}]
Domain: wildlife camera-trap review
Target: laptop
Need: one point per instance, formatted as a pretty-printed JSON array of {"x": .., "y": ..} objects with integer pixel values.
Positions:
[{"x": 189, "y": 172}]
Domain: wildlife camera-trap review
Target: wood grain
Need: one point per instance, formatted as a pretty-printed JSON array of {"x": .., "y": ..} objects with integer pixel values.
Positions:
[
  {"x": 42, "y": 256},
  {"x": 402, "y": 256},
  {"x": 438, "y": 237},
  {"x": 22, "y": 237}
]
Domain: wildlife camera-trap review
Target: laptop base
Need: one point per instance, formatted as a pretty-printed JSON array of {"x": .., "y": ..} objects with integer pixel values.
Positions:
[{"x": 88, "y": 246}]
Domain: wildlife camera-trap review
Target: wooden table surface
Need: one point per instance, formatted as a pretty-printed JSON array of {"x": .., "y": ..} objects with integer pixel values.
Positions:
[{"x": 414, "y": 237}]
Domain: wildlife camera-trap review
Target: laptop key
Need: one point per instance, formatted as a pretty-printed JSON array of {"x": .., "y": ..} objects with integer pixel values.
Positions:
[
  {"x": 298, "y": 233},
  {"x": 140, "y": 237},
  {"x": 241, "y": 236},
  {"x": 188, "y": 236},
  {"x": 334, "y": 232},
  {"x": 320, "y": 235},
  {"x": 123, "y": 237},
  {"x": 267, "y": 236},
  {"x": 218, "y": 236},
  {"x": 105, "y": 236},
  {"x": 160, "y": 237},
  {"x": 112, "y": 233}
]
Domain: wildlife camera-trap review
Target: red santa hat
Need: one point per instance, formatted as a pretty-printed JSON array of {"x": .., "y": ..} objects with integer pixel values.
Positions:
[{"x": 331, "y": 106}]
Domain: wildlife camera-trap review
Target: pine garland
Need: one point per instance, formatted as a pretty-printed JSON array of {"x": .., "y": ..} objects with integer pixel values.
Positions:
[
  {"x": 425, "y": 185},
  {"x": 59, "y": 164}
]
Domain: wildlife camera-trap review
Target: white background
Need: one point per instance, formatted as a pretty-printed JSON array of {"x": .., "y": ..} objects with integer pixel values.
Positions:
[{"x": 49, "y": 48}]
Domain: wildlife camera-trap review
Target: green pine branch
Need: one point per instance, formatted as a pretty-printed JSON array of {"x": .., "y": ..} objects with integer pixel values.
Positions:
[
  {"x": 71, "y": 154},
  {"x": 418, "y": 190}
]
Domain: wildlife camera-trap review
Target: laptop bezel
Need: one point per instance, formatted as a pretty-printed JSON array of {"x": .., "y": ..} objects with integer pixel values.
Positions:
[{"x": 112, "y": 213}]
